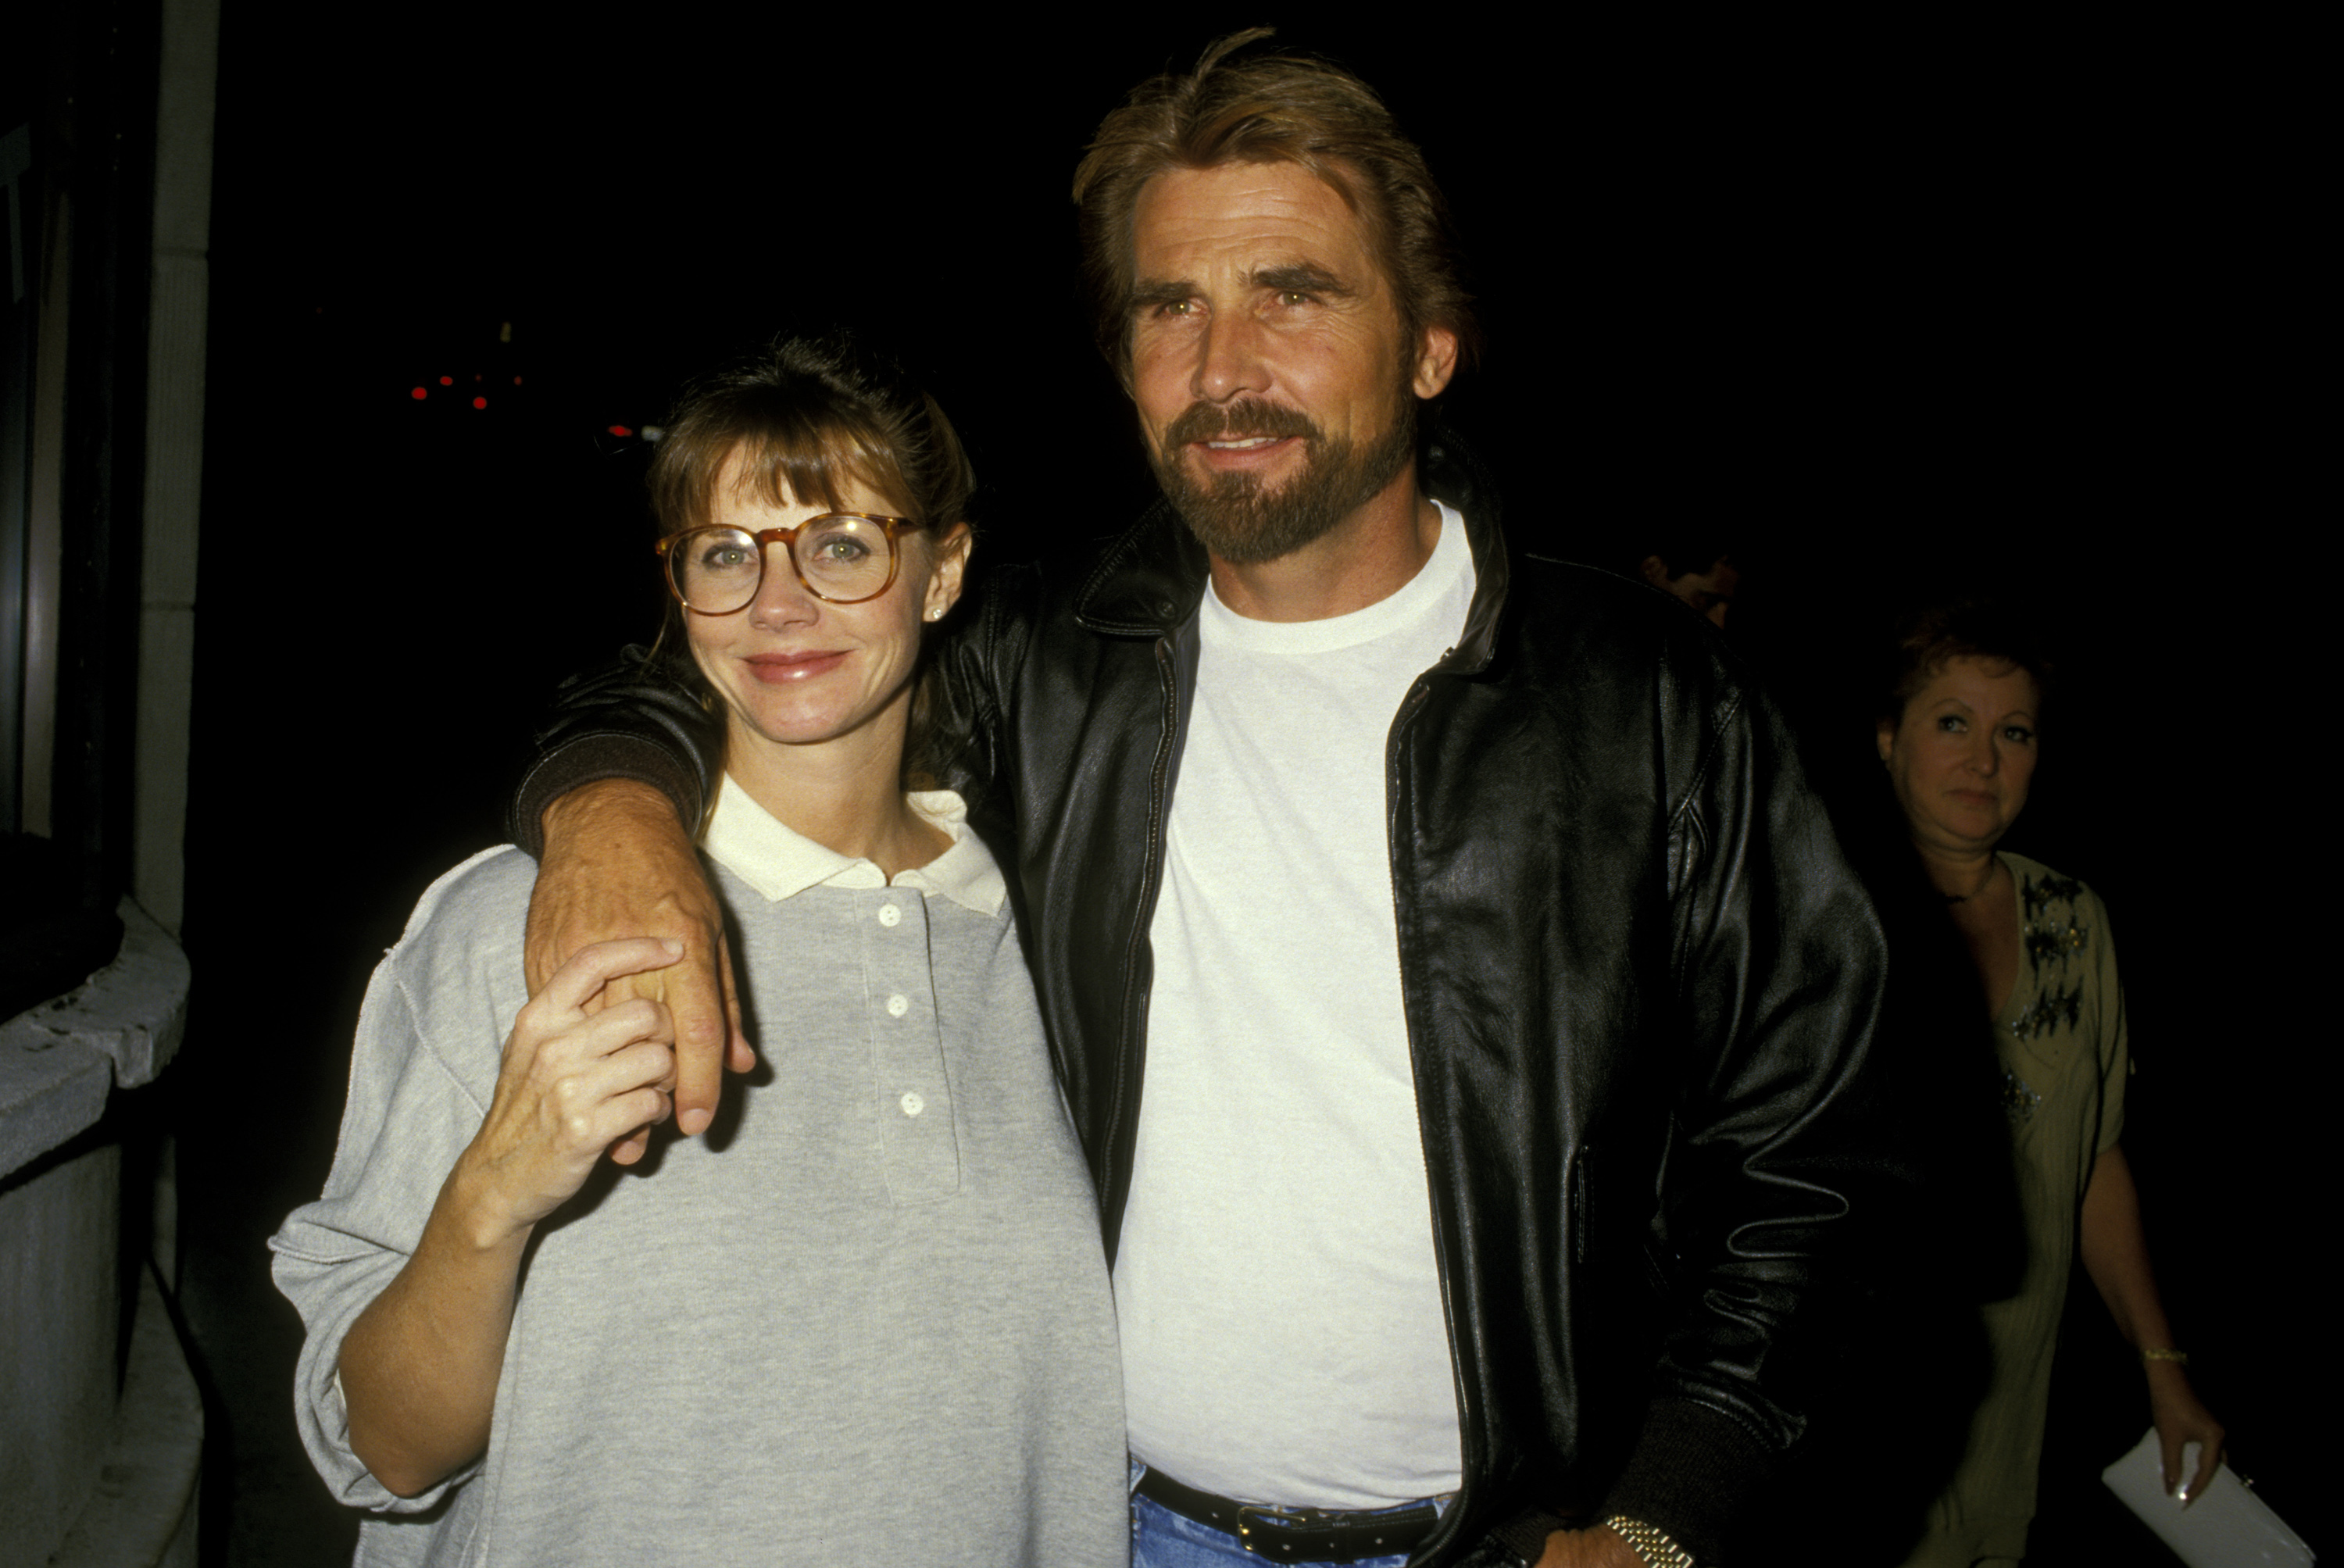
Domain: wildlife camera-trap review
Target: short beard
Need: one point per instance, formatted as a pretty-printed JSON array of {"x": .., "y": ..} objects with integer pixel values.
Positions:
[{"x": 1239, "y": 521}]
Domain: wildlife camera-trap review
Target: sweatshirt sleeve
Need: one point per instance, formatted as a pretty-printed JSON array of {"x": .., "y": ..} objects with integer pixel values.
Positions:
[{"x": 422, "y": 1068}]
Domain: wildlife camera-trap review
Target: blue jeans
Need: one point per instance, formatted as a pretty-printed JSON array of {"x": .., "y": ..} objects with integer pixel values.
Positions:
[{"x": 1163, "y": 1538}]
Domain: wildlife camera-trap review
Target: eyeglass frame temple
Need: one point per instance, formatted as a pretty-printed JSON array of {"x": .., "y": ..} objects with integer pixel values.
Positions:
[{"x": 787, "y": 538}]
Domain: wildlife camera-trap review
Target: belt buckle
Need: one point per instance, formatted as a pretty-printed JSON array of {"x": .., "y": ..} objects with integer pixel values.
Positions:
[{"x": 1272, "y": 1515}]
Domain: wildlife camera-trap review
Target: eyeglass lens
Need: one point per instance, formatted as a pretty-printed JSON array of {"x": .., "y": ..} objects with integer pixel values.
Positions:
[{"x": 718, "y": 570}]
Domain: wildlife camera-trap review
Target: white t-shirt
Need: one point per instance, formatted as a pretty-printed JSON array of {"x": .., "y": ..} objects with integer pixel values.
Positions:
[{"x": 1275, "y": 1287}]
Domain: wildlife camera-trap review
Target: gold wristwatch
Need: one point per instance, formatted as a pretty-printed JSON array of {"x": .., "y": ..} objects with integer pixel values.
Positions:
[{"x": 1651, "y": 1543}]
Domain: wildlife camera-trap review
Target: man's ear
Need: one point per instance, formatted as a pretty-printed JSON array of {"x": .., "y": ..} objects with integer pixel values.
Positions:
[
  {"x": 1655, "y": 571},
  {"x": 951, "y": 568},
  {"x": 1885, "y": 736},
  {"x": 1436, "y": 363}
]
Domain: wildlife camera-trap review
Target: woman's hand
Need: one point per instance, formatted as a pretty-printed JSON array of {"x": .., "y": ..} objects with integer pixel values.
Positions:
[
  {"x": 2116, "y": 1255},
  {"x": 573, "y": 1084},
  {"x": 419, "y": 1366},
  {"x": 2180, "y": 1418}
]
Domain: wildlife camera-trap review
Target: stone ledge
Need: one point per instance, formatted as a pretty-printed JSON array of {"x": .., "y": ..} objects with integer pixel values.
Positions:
[
  {"x": 50, "y": 1089},
  {"x": 134, "y": 1011},
  {"x": 123, "y": 1025}
]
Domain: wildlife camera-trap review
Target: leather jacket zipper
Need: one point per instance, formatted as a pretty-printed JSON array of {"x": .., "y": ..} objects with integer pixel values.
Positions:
[
  {"x": 1446, "y": 1531},
  {"x": 1135, "y": 997}
]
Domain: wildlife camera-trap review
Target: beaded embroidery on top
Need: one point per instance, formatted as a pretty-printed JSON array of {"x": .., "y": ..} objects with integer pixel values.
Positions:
[
  {"x": 2049, "y": 938},
  {"x": 2051, "y": 1010},
  {"x": 2049, "y": 942},
  {"x": 2017, "y": 1099},
  {"x": 2035, "y": 894}
]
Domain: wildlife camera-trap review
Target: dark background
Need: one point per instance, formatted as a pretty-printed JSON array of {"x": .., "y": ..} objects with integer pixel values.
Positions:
[{"x": 1904, "y": 304}]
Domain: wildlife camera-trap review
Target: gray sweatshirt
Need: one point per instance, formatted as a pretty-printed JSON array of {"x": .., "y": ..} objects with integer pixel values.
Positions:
[{"x": 865, "y": 1320}]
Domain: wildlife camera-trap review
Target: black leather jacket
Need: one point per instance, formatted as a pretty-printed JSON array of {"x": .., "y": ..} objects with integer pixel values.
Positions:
[{"x": 1638, "y": 977}]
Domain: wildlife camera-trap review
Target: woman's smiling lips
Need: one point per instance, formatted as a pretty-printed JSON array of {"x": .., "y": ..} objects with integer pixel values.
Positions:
[{"x": 776, "y": 668}]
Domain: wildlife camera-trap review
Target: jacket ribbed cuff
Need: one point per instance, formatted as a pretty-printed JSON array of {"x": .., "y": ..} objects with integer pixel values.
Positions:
[
  {"x": 1695, "y": 1473},
  {"x": 589, "y": 759}
]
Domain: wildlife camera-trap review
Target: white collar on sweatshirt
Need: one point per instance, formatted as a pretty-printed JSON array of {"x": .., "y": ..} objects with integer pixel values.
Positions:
[{"x": 748, "y": 841}]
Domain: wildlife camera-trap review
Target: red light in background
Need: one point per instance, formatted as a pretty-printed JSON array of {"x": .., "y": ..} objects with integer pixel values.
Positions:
[
  {"x": 621, "y": 430},
  {"x": 516, "y": 380},
  {"x": 417, "y": 394},
  {"x": 447, "y": 380},
  {"x": 479, "y": 402},
  {"x": 476, "y": 375}
]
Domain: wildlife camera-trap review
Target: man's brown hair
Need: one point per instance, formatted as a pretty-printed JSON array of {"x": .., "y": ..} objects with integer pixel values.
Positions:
[{"x": 1271, "y": 108}]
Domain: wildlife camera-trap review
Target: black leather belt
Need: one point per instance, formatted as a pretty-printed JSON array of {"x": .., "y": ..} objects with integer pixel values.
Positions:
[{"x": 1297, "y": 1534}]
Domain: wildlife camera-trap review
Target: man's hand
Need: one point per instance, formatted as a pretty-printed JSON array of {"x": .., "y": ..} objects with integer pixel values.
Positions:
[
  {"x": 617, "y": 865},
  {"x": 1595, "y": 1548}
]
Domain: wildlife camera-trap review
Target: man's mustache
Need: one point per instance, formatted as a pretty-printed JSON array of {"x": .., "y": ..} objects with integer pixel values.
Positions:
[{"x": 1236, "y": 422}]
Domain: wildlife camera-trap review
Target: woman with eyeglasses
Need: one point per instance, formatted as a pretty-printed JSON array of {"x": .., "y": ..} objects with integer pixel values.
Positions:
[{"x": 872, "y": 1302}]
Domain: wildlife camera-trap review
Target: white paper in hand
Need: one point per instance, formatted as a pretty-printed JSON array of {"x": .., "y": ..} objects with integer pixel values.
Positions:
[{"x": 2226, "y": 1527}]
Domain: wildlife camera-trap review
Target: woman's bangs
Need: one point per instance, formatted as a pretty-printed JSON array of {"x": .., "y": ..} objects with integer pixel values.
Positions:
[{"x": 816, "y": 466}]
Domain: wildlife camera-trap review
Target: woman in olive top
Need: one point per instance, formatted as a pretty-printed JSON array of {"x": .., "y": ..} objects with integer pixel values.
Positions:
[{"x": 1959, "y": 739}]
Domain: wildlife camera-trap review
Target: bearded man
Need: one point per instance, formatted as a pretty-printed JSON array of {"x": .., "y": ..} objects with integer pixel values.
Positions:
[{"x": 1452, "y": 981}]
